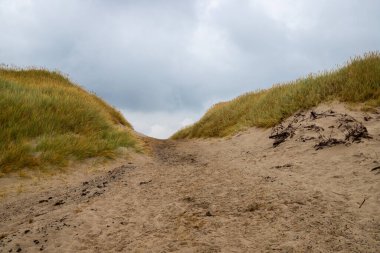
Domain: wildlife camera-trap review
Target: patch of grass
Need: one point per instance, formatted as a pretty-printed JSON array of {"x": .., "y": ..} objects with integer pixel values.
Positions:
[
  {"x": 45, "y": 121},
  {"x": 356, "y": 82}
]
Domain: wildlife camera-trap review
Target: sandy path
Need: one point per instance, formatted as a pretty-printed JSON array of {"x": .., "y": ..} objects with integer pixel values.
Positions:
[{"x": 223, "y": 195}]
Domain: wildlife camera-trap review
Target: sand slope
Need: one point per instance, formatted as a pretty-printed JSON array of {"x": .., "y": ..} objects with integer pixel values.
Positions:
[{"x": 238, "y": 194}]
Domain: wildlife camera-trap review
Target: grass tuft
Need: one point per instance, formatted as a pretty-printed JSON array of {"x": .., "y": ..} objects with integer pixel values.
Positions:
[
  {"x": 357, "y": 82},
  {"x": 45, "y": 121}
]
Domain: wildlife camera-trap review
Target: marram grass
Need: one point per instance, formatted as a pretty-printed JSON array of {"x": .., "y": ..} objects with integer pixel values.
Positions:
[
  {"x": 358, "y": 82},
  {"x": 46, "y": 121}
]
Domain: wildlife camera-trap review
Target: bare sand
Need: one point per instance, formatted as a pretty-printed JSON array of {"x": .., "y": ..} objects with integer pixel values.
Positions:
[{"x": 237, "y": 194}]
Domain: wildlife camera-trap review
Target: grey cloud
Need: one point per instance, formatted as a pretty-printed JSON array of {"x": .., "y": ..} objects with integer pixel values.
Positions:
[{"x": 176, "y": 56}]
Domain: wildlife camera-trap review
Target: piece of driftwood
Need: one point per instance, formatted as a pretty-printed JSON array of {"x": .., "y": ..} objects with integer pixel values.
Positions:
[
  {"x": 314, "y": 127},
  {"x": 356, "y": 132},
  {"x": 279, "y": 138},
  {"x": 145, "y": 182},
  {"x": 324, "y": 143},
  {"x": 377, "y": 168},
  {"x": 353, "y": 130},
  {"x": 281, "y": 133},
  {"x": 362, "y": 203},
  {"x": 328, "y": 113}
]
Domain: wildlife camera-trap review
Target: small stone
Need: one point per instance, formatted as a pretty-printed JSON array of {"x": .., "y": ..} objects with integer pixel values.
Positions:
[
  {"x": 208, "y": 213},
  {"x": 367, "y": 118},
  {"x": 58, "y": 203},
  {"x": 189, "y": 199},
  {"x": 145, "y": 182},
  {"x": 253, "y": 207}
]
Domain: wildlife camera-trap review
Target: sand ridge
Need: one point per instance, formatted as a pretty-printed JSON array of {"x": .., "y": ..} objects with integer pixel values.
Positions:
[{"x": 238, "y": 194}]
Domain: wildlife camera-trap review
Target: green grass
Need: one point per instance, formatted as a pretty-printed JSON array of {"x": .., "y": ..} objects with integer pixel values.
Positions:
[
  {"x": 47, "y": 121},
  {"x": 357, "y": 82}
]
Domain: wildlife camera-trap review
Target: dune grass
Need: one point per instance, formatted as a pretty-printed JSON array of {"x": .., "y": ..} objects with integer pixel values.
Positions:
[
  {"x": 46, "y": 121},
  {"x": 356, "y": 82}
]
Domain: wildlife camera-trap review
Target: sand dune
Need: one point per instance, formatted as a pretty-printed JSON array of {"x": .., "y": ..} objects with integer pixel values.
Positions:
[{"x": 238, "y": 194}]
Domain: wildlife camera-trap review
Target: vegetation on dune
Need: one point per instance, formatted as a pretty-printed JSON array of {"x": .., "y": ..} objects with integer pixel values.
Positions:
[
  {"x": 357, "y": 82},
  {"x": 45, "y": 121}
]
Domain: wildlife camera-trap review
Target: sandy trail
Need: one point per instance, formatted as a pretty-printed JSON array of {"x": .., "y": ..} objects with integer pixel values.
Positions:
[{"x": 222, "y": 195}]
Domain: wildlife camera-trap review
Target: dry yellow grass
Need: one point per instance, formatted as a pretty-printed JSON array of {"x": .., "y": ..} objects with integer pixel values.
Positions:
[
  {"x": 357, "y": 82},
  {"x": 45, "y": 121}
]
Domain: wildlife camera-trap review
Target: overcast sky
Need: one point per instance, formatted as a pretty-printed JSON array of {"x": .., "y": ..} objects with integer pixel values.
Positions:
[{"x": 164, "y": 62}]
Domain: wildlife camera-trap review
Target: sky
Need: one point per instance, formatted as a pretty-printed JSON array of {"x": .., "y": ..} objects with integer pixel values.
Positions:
[{"x": 163, "y": 63}]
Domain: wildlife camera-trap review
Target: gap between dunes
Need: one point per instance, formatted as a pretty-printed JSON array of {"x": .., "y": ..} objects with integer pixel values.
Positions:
[{"x": 236, "y": 194}]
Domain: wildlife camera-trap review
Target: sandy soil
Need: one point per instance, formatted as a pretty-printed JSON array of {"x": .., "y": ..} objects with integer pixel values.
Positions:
[{"x": 238, "y": 194}]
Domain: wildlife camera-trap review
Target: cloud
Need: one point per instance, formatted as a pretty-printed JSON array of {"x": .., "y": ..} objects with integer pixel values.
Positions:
[
  {"x": 170, "y": 57},
  {"x": 160, "y": 124}
]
